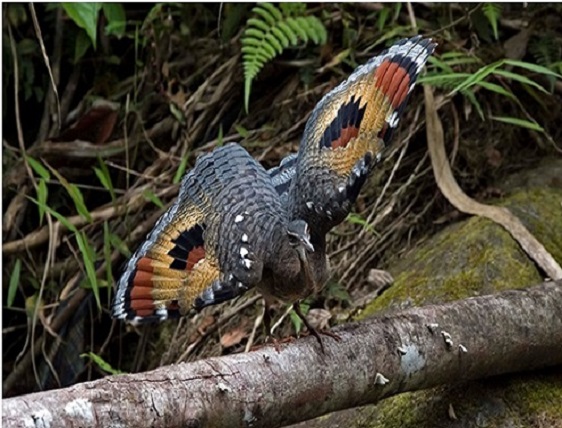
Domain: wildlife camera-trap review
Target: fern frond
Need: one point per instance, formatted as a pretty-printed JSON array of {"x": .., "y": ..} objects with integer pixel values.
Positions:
[
  {"x": 270, "y": 31},
  {"x": 492, "y": 12}
]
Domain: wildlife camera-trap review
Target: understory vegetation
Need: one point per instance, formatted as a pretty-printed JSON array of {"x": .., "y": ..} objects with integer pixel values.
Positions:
[{"x": 105, "y": 106}]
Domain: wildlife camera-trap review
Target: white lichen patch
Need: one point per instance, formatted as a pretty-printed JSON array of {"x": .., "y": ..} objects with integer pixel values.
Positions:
[
  {"x": 412, "y": 360},
  {"x": 80, "y": 409}
]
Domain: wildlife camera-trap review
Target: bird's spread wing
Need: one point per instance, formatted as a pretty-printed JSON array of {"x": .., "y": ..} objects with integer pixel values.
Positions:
[
  {"x": 282, "y": 175},
  {"x": 206, "y": 248},
  {"x": 347, "y": 132}
]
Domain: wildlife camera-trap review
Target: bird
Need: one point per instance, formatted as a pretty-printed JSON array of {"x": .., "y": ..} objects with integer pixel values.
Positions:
[{"x": 236, "y": 226}]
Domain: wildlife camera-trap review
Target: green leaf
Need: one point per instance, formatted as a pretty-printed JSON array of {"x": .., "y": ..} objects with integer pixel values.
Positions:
[
  {"x": 383, "y": 16},
  {"x": 260, "y": 25},
  {"x": 518, "y": 122},
  {"x": 88, "y": 256},
  {"x": 243, "y": 132},
  {"x": 63, "y": 220},
  {"x": 520, "y": 78},
  {"x": 42, "y": 193},
  {"x": 119, "y": 245},
  {"x": 443, "y": 79},
  {"x": 116, "y": 19},
  {"x": 81, "y": 46},
  {"x": 478, "y": 77},
  {"x": 296, "y": 320},
  {"x": 472, "y": 98},
  {"x": 492, "y": 12},
  {"x": 177, "y": 113},
  {"x": 150, "y": 196},
  {"x": 14, "y": 282},
  {"x": 270, "y": 31},
  {"x": 107, "y": 252},
  {"x": 181, "y": 169},
  {"x": 38, "y": 168},
  {"x": 101, "y": 363},
  {"x": 233, "y": 15},
  {"x": 354, "y": 218},
  {"x": 85, "y": 15},
  {"x": 78, "y": 200},
  {"x": 338, "y": 292},
  {"x": 105, "y": 179},
  {"x": 533, "y": 67},
  {"x": 275, "y": 13},
  {"x": 220, "y": 137},
  {"x": 75, "y": 194},
  {"x": 498, "y": 89}
]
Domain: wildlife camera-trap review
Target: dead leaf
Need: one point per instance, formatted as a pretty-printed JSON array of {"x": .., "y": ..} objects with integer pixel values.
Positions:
[
  {"x": 451, "y": 413},
  {"x": 319, "y": 318},
  {"x": 379, "y": 278},
  {"x": 233, "y": 337},
  {"x": 516, "y": 46},
  {"x": 96, "y": 125},
  {"x": 494, "y": 157}
]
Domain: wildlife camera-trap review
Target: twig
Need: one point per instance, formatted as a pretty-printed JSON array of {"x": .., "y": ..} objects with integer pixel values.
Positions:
[
  {"x": 44, "y": 127},
  {"x": 412, "y": 16},
  {"x": 457, "y": 21},
  {"x": 47, "y": 61},
  {"x": 252, "y": 337}
]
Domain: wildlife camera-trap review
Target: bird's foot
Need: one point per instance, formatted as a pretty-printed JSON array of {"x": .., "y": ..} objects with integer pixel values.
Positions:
[
  {"x": 275, "y": 342},
  {"x": 317, "y": 334},
  {"x": 312, "y": 330}
]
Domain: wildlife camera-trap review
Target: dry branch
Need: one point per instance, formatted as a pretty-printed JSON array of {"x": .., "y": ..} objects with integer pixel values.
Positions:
[{"x": 415, "y": 349}]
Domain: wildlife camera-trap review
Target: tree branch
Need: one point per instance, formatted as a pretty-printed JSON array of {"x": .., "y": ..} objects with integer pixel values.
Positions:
[{"x": 411, "y": 350}]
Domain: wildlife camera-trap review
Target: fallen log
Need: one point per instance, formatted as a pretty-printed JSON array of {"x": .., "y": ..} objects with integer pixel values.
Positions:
[{"x": 414, "y": 349}]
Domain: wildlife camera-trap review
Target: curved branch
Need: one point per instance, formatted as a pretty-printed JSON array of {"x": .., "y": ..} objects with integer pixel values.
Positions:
[{"x": 415, "y": 349}]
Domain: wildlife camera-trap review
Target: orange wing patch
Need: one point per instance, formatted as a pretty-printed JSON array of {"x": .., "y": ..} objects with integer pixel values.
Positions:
[
  {"x": 394, "y": 81},
  {"x": 345, "y": 126},
  {"x": 169, "y": 276}
]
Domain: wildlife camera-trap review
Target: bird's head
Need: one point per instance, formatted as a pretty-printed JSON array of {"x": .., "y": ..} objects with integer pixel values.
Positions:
[{"x": 299, "y": 238}]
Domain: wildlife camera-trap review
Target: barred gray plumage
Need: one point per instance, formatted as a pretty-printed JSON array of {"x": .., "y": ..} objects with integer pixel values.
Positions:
[{"x": 236, "y": 226}]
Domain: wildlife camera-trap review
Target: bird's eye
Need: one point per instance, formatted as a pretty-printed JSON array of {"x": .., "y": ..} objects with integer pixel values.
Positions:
[{"x": 293, "y": 239}]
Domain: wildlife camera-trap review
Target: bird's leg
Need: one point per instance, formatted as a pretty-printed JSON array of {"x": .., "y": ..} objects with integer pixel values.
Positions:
[
  {"x": 312, "y": 330},
  {"x": 267, "y": 316}
]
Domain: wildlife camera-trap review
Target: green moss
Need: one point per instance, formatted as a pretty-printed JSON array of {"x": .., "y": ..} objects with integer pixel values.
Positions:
[
  {"x": 526, "y": 400},
  {"x": 538, "y": 398},
  {"x": 475, "y": 257},
  {"x": 540, "y": 209},
  {"x": 470, "y": 258}
]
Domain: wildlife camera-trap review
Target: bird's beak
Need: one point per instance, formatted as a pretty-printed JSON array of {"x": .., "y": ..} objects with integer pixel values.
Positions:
[
  {"x": 302, "y": 252},
  {"x": 307, "y": 244}
]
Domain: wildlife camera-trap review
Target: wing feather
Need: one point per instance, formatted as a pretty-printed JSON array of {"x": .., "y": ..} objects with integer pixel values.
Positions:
[
  {"x": 347, "y": 132},
  {"x": 198, "y": 252}
]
